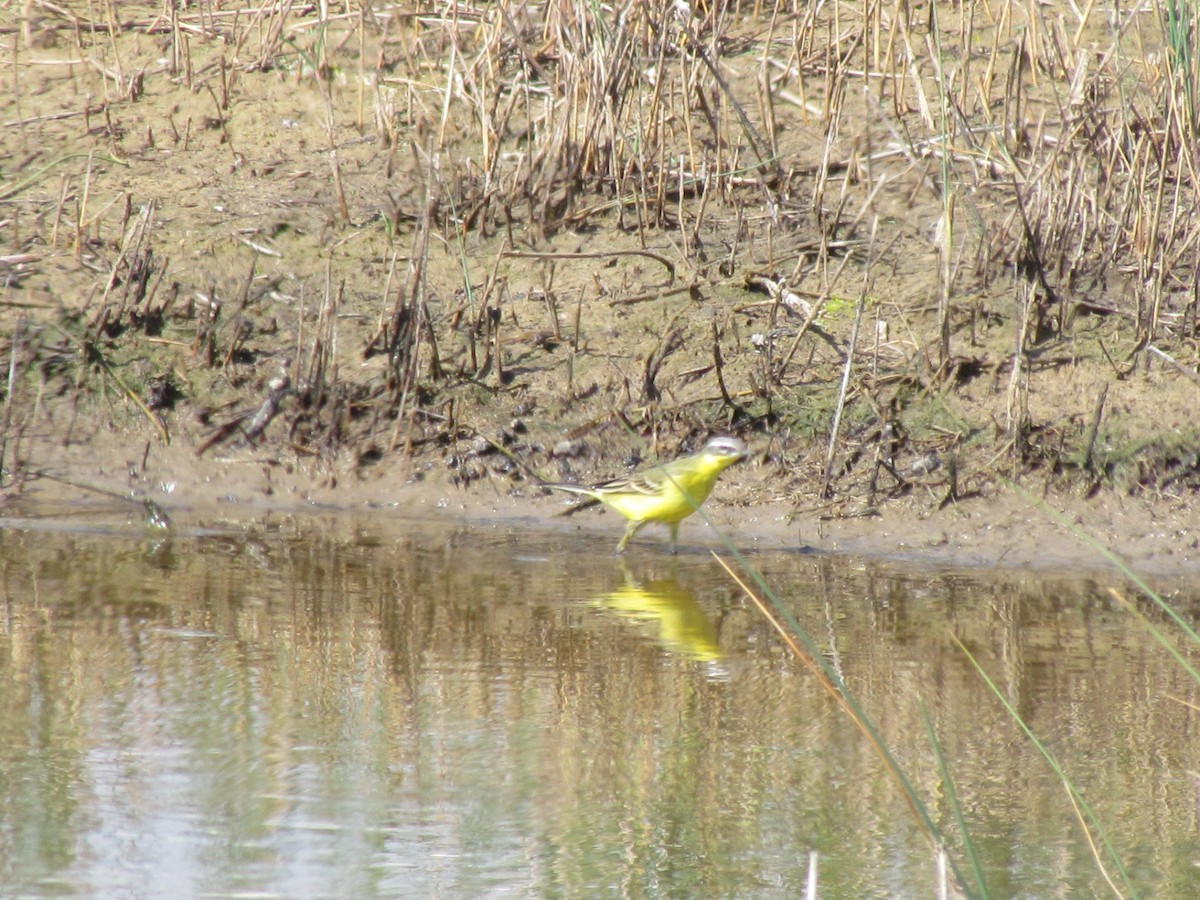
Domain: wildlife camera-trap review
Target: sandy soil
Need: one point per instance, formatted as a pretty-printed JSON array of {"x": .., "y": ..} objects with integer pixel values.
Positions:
[{"x": 235, "y": 284}]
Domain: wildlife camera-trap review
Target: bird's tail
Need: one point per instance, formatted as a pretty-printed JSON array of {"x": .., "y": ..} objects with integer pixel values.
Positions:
[
  {"x": 577, "y": 489},
  {"x": 570, "y": 488}
]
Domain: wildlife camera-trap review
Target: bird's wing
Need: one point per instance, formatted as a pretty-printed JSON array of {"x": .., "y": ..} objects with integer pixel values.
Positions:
[{"x": 647, "y": 483}]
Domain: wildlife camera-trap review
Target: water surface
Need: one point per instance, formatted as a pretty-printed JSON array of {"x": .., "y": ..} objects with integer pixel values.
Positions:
[{"x": 370, "y": 708}]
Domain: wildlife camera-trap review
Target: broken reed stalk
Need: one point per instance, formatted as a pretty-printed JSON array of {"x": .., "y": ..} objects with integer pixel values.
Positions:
[
  {"x": 719, "y": 366},
  {"x": 946, "y": 225},
  {"x": 16, "y": 342},
  {"x": 1094, "y": 430},
  {"x": 672, "y": 340},
  {"x": 835, "y": 427},
  {"x": 321, "y": 375},
  {"x": 1016, "y": 403},
  {"x": 320, "y": 68},
  {"x": 81, "y": 211},
  {"x": 137, "y": 259},
  {"x": 238, "y": 326},
  {"x": 405, "y": 333}
]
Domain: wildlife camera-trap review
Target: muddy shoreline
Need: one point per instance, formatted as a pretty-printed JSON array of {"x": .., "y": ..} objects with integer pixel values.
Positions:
[{"x": 1004, "y": 531}]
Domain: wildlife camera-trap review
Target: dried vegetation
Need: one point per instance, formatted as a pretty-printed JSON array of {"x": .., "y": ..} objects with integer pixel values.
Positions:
[{"x": 903, "y": 249}]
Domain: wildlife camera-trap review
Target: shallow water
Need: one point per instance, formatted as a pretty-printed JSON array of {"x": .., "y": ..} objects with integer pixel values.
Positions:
[{"x": 337, "y": 707}]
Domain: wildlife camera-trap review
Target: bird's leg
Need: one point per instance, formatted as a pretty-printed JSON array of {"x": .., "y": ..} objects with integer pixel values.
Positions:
[
  {"x": 674, "y": 538},
  {"x": 631, "y": 528}
]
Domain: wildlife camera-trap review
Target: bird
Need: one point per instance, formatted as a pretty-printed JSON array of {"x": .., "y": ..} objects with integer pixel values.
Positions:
[{"x": 665, "y": 494}]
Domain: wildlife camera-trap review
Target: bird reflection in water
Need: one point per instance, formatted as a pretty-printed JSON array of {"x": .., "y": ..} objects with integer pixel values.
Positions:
[{"x": 684, "y": 628}]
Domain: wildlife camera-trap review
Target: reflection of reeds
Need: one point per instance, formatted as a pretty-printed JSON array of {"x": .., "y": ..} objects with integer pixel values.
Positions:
[
  {"x": 805, "y": 649},
  {"x": 1107, "y": 858},
  {"x": 438, "y": 670}
]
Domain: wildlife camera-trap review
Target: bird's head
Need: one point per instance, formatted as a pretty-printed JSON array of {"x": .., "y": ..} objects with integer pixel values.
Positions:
[{"x": 727, "y": 449}]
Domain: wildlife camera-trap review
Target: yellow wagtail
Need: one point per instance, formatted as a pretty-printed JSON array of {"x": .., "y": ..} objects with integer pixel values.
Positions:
[{"x": 666, "y": 494}]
